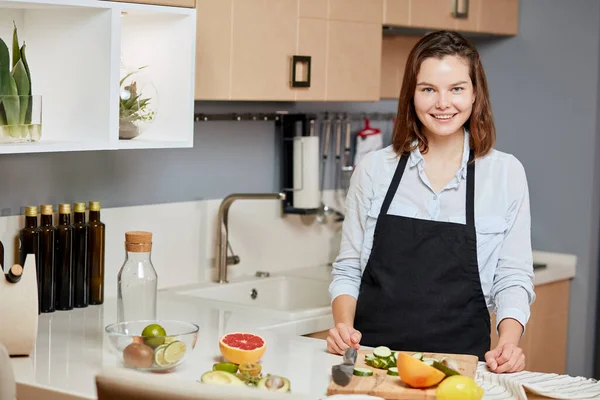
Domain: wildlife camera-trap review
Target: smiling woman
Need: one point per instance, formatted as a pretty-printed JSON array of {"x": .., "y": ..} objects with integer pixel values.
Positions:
[{"x": 437, "y": 229}]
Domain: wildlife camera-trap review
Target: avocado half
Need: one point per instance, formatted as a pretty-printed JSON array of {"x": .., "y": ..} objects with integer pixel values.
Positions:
[{"x": 274, "y": 383}]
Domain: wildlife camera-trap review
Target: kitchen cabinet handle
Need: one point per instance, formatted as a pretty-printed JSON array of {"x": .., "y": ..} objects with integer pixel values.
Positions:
[
  {"x": 300, "y": 66},
  {"x": 461, "y": 9}
]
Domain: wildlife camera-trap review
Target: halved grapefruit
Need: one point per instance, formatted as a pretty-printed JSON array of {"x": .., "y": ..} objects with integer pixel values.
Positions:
[
  {"x": 417, "y": 373},
  {"x": 242, "y": 348}
]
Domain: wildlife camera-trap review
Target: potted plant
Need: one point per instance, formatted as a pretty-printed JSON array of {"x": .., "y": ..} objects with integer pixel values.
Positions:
[
  {"x": 20, "y": 111},
  {"x": 137, "y": 103}
]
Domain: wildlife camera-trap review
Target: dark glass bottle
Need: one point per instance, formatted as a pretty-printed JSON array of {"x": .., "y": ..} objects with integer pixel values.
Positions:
[
  {"x": 81, "y": 230},
  {"x": 29, "y": 241},
  {"x": 46, "y": 258},
  {"x": 96, "y": 254},
  {"x": 63, "y": 259}
]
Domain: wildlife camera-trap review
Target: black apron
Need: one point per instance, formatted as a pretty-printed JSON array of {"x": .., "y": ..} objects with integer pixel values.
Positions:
[{"x": 420, "y": 290}]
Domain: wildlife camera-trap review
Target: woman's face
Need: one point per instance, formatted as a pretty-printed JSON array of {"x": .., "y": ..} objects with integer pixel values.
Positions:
[{"x": 444, "y": 95}]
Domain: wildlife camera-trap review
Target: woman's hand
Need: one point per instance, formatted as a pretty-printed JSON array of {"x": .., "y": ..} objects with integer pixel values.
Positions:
[
  {"x": 341, "y": 337},
  {"x": 507, "y": 357}
]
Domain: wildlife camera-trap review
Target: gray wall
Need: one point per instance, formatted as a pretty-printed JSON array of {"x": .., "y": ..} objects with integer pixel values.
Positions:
[{"x": 544, "y": 88}]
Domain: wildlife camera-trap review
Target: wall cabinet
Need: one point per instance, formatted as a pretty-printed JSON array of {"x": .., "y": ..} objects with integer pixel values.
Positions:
[
  {"x": 545, "y": 340},
  {"x": 168, "y": 3},
  {"x": 496, "y": 17},
  {"x": 244, "y": 49}
]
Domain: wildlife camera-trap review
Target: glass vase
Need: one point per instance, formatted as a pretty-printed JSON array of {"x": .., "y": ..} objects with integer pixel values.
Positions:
[
  {"x": 138, "y": 102},
  {"x": 20, "y": 118}
]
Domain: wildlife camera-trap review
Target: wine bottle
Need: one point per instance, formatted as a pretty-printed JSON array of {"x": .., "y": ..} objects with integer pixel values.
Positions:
[
  {"x": 46, "y": 258},
  {"x": 29, "y": 241},
  {"x": 96, "y": 254},
  {"x": 63, "y": 260},
  {"x": 81, "y": 230}
]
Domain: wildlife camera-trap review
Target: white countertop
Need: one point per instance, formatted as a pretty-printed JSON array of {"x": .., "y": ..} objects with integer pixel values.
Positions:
[{"x": 71, "y": 347}]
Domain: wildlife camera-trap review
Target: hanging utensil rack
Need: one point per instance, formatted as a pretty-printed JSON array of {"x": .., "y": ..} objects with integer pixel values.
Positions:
[{"x": 276, "y": 116}]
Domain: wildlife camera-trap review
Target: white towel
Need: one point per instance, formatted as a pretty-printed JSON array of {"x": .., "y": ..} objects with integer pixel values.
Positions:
[
  {"x": 555, "y": 386},
  {"x": 366, "y": 144}
]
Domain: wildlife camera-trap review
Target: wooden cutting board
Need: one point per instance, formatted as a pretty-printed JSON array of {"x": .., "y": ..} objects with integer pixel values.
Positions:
[{"x": 391, "y": 387}]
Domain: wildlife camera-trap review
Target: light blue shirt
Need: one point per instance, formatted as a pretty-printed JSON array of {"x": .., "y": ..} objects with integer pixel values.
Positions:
[{"x": 502, "y": 222}]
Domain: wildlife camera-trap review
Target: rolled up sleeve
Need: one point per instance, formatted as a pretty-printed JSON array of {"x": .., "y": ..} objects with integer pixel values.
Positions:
[
  {"x": 513, "y": 286},
  {"x": 347, "y": 270}
]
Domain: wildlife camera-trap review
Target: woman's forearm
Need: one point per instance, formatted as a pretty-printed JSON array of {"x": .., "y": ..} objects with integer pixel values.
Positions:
[
  {"x": 510, "y": 331},
  {"x": 344, "y": 308}
]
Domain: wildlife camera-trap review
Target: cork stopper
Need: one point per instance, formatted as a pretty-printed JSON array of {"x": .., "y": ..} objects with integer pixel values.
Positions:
[
  {"x": 79, "y": 207},
  {"x": 31, "y": 211},
  {"x": 138, "y": 241},
  {"x": 46, "y": 209},
  {"x": 64, "y": 208},
  {"x": 94, "y": 206}
]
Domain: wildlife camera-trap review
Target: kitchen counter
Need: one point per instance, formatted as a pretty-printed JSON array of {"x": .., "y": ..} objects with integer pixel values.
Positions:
[{"x": 71, "y": 347}]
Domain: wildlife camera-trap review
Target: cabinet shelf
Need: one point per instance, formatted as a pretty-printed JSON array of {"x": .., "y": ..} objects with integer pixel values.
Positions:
[{"x": 74, "y": 50}]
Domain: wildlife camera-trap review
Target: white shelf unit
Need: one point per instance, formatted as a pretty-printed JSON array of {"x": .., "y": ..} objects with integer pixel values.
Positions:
[{"x": 74, "y": 50}]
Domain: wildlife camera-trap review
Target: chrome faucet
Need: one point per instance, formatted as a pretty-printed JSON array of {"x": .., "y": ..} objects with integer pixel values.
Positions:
[{"x": 222, "y": 260}]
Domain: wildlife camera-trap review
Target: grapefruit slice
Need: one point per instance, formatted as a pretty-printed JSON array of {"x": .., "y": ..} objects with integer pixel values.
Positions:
[
  {"x": 417, "y": 373},
  {"x": 242, "y": 348}
]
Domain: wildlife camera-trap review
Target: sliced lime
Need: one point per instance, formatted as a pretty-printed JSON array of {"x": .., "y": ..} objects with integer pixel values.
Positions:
[
  {"x": 174, "y": 352},
  {"x": 159, "y": 356},
  {"x": 226, "y": 366}
]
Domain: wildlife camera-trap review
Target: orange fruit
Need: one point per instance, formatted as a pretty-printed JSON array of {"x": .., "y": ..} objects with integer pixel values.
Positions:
[
  {"x": 242, "y": 348},
  {"x": 416, "y": 373}
]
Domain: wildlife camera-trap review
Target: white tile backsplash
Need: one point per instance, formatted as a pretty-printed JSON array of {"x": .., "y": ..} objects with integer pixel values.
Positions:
[{"x": 184, "y": 239}]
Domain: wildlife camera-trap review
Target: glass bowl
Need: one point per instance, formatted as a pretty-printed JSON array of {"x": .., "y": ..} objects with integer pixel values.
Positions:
[{"x": 155, "y": 350}]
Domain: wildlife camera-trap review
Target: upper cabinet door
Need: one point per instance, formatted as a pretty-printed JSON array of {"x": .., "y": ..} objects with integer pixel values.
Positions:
[
  {"x": 264, "y": 39},
  {"x": 213, "y": 49},
  {"x": 354, "y": 61},
  {"x": 500, "y": 17},
  {"x": 356, "y": 10}
]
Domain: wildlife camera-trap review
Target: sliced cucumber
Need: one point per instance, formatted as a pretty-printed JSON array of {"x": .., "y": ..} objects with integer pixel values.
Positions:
[
  {"x": 369, "y": 357},
  {"x": 363, "y": 371},
  {"x": 382, "y": 352},
  {"x": 446, "y": 370},
  {"x": 379, "y": 363},
  {"x": 418, "y": 356},
  {"x": 429, "y": 361},
  {"x": 396, "y": 355},
  {"x": 393, "y": 371}
]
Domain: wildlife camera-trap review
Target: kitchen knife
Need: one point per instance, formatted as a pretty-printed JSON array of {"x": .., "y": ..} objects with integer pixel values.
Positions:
[{"x": 342, "y": 373}]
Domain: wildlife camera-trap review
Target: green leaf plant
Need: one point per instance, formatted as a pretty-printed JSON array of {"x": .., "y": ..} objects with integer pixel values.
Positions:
[
  {"x": 15, "y": 85},
  {"x": 133, "y": 108}
]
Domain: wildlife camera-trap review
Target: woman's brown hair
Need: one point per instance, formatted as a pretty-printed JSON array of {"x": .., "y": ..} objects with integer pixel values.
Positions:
[{"x": 480, "y": 124}]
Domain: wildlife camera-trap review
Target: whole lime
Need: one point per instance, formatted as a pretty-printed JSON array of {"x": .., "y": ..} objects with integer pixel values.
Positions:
[
  {"x": 154, "y": 335},
  {"x": 459, "y": 387}
]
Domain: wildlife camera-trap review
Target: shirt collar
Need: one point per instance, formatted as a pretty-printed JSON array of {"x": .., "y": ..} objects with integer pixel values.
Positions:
[{"x": 416, "y": 157}]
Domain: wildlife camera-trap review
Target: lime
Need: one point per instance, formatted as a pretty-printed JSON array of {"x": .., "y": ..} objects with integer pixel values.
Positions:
[
  {"x": 225, "y": 366},
  {"x": 170, "y": 339},
  {"x": 159, "y": 356},
  {"x": 459, "y": 387},
  {"x": 154, "y": 335},
  {"x": 174, "y": 352}
]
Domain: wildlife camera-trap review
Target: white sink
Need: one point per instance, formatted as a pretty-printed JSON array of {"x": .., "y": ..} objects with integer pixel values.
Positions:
[{"x": 286, "y": 297}]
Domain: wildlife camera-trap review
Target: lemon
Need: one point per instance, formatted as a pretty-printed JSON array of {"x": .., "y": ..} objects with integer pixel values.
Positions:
[
  {"x": 459, "y": 387},
  {"x": 154, "y": 335},
  {"x": 174, "y": 352}
]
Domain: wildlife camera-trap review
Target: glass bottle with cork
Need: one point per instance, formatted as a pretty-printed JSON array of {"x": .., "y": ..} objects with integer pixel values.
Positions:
[
  {"x": 46, "y": 258},
  {"x": 96, "y": 254},
  {"x": 81, "y": 230},
  {"x": 137, "y": 280},
  {"x": 29, "y": 241},
  {"x": 63, "y": 259}
]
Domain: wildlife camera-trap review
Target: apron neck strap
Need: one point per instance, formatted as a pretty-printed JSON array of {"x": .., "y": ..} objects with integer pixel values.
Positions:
[
  {"x": 470, "y": 203},
  {"x": 470, "y": 210},
  {"x": 394, "y": 185}
]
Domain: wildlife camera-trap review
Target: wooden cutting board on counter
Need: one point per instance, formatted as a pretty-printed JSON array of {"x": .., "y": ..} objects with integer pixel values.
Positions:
[{"x": 391, "y": 387}]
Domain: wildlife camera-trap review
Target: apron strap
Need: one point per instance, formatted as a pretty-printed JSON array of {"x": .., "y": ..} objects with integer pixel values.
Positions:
[
  {"x": 470, "y": 210},
  {"x": 389, "y": 196}
]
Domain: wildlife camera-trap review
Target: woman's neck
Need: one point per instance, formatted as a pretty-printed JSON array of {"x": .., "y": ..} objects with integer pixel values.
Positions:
[{"x": 445, "y": 148}]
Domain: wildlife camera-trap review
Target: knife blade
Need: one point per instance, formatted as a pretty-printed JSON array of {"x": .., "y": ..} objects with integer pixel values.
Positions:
[{"x": 342, "y": 373}]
